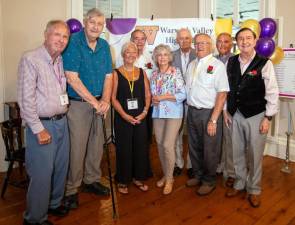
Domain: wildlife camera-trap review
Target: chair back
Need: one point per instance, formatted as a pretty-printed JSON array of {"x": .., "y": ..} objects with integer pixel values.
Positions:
[{"x": 12, "y": 137}]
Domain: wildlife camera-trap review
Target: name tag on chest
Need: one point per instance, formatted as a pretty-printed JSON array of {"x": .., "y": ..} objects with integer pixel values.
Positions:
[
  {"x": 132, "y": 103},
  {"x": 64, "y": 99}
]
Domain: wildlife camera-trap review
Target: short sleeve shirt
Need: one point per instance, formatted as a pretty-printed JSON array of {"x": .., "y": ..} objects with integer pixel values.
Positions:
[
  {"x": 204, "y": 79},
  {"x": 91, "y": 65}
]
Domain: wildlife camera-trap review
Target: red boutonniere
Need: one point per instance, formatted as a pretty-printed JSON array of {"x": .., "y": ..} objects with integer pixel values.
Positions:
[
  {"x": 252, "y": 73},
  {"x": 210, "y": 69},
  {"x": 149, "y": 65}
]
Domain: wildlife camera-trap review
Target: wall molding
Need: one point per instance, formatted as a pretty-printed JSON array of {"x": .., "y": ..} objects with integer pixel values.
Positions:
[
  {"x": 3, "y": 164},
  {"x": 276, "y": 147},
  {"x": 206, "y": 8}
]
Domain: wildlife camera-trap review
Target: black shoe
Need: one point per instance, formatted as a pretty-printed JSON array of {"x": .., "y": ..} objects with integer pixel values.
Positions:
[
  {"x": 190, "y": 173},
  {"x": 59, "y": 211},
  {"x": 46, "y": 222},
  {"x": 177, "y": 171},
  {"x": 96, "y": 188},
  {"x": 71, "y": 202}
]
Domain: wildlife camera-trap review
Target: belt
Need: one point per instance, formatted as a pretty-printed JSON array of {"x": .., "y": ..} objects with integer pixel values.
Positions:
[
  {"x": 55, "y": 117},
  {"x": 196, "y": 108},
  {"x": 82, "y": 100}
]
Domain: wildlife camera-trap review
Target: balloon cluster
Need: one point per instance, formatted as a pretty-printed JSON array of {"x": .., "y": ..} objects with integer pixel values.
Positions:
[
  {"x": 74, "y": 25},
  {"x": 265, "y": 29}
]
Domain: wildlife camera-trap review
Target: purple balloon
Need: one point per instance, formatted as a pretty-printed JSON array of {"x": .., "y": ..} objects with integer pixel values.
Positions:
[
  {"x": 265, "y": 46},
  {"x": 120, "y": 26},
  {"x": 74, "y": 25},
  {"x": 268, "y": 27}
]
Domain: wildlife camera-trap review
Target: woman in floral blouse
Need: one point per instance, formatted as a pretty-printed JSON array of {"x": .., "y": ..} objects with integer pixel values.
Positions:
[{"x": 168, "y": 93}]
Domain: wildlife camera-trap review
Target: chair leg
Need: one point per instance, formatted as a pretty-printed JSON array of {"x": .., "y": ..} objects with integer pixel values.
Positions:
[
  {"x": 21, "y": 167},
  {"x": 6, "y": 179}
]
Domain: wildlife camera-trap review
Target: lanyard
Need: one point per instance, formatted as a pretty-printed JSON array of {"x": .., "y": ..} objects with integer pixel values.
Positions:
[
  {"x": 131, "y": 83},
  {"x": 197, "y": 69},
  {"x": 56, "y": 70}
]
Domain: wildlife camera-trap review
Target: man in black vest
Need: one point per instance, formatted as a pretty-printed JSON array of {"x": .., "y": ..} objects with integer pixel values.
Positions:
[{"x": 252, "y": 101}]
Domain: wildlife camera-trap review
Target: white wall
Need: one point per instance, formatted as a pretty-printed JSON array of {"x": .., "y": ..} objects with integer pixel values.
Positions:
[
  {"x": 21, "y": 28},
  {"x": 277, "y": 146},
  {"x": 185, "y": 9},
  {"x": 160, "y": 9},
  {"x": 285, "y": 9},
  {"x": 2, "y": 152}
]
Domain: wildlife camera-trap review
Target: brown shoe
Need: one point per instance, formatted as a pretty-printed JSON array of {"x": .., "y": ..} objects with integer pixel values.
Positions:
[
  {"x": 205, "y": 189},
  {"x": 230, "y": 182},
  {"x": 192, "y": 182},
  {"x": 232, "y": 192},
  {"x": 254, "y": 200}
]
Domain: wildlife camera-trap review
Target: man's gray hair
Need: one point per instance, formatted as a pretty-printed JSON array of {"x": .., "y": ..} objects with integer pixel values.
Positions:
[
  {"x": 53, "y": 23},
  {"x": 209, "y": 37},
  {"x": 136, "y": 31},
  {"x": 183, "y": 29},
  {"x": 94, "y": 12}
]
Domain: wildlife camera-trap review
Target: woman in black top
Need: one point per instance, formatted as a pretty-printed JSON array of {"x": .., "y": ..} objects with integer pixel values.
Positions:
[{"x": 131, "y": 101}]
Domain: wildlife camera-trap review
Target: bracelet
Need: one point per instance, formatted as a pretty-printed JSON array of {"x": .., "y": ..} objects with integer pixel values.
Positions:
[{"x": 145, "y": 111}]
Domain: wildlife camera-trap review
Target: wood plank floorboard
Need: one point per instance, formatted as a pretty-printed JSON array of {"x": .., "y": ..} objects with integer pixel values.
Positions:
[{"x": 183, "y": 206}]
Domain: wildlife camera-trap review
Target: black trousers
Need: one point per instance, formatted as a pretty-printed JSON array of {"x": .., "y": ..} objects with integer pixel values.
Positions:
[
  {"x": 204, "y": 150},
  {"x": 132, "y": 159}
]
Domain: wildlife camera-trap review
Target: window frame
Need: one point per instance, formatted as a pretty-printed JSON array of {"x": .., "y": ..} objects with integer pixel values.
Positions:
[
  {"x": 208, "y": 8},
  {"x": 75, "y": 9}
]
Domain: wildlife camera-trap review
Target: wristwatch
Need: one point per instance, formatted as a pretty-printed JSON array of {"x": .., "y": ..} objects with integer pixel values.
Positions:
[
  {"x": 213, "y": 121},
  {"x": 268, "y": 117}
]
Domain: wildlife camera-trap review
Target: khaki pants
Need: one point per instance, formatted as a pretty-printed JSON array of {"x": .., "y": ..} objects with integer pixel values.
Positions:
[
  {"x": 86, "y": 138},
  {"x": 166, "y": 131}
]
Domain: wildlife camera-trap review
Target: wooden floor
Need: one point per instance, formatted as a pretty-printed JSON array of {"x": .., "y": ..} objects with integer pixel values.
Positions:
[{"x": 183, "y": 206}]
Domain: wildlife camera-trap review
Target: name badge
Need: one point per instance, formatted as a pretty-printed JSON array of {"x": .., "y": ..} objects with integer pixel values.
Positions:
[
  {"x": 132, "y": 103},
  {"x": 64, "y": 99}
]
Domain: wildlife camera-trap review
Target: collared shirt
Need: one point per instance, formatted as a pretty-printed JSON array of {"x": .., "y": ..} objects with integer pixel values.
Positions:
[
  {"x": 205, "y": 77},
  {"x": 144, "y": 61},
  {"x": 164, "y": 83},
  {"x": 184, "y": 60},
  {"x": 224, "y": 58},
  {"x": 271, "y": 85},
  {"x": 91, "y": 65},
  {"x": 40, "y": 84}
]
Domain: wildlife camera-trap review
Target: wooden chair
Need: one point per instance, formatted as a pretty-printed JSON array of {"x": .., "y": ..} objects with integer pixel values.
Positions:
[{"x": 15, "y": 152}]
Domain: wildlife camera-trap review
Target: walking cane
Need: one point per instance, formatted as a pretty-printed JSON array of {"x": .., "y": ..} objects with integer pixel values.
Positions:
[{"x": 106, "y": 150}]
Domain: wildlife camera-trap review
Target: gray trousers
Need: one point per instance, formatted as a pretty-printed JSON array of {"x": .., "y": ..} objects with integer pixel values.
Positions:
[
  {"x": 248, "y": 147},
  {"x": 86, "y": 137},
  {"x": 227, "y": 152},
  {"x": 179, "y": 159},
  {"x": 166, "y": 131},
  {"x": 47, "y": 167},
  {"x": 204, "y": 150}
]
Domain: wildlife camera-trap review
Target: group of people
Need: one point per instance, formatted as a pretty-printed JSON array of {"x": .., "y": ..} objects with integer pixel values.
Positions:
[{"x": 68, "y": 83}]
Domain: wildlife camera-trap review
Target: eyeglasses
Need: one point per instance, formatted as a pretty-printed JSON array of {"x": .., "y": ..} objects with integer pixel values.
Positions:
[{"x": 202, "y": 43}]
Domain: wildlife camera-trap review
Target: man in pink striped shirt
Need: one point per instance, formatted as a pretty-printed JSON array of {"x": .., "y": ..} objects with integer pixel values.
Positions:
[{"x": 43, "y": 103}]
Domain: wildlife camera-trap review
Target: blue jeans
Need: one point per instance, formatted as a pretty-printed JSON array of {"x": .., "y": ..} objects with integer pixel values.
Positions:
[{"x": 47, "y": 167}]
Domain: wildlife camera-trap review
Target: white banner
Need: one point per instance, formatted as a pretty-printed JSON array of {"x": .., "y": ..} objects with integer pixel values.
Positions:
[{"x": 158, "y": 31}]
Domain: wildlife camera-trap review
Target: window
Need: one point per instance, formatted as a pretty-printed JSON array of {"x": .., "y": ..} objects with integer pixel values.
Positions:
[
  {"x": 239, "y": 10},
  {"x": 119, "y": 8},
  {"x": 108, "y": 7}
]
